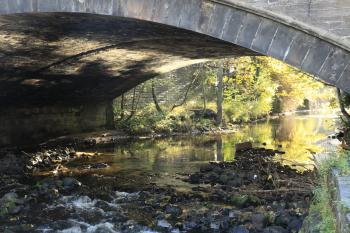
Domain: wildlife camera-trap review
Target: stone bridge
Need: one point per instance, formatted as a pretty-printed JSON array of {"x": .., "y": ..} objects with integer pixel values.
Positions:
[{"x": 63, "y": 61}]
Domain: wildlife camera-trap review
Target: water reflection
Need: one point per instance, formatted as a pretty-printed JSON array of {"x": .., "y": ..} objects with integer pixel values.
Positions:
[{"x": 295, "y": 134}]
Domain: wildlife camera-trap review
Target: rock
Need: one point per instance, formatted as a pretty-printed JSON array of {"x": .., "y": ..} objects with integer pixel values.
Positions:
[
  {"x": 69, "y": 182},
  {"x": 295, "y": 225},
  {"x": 203, "y": 113},
  {"x": 9, "y": 197},
  {"x": 259, "y": 221},
  {"x": 269, "y": 152},
  {"x": 188, "y": 225},
  {"x": 275, "y": 229},
  {"x": 283, "y": 219},
  {"x": 175, "y": 230},
  {"x": 254, "y": 200},
  {"x": 206, "y": 168},
  {"x": 214, "y": 226},
  {"x": 280, "y": 152},
  {"x": 223, "y": 179},
  {"x": 9, "y": 204},
  {"x": 212, "y": 177},
  {"x": 98, "y": 166},
  {"x": 236, "y": 182},
  {"x": 271, "y": 217},
  {"x": 173, "y": 210},
  {"x": 195, "y": 178},
  {"x": 163, "y": 223},
  {"x": 47, "y": 183},
  {"x": 243, "y": 146},
  {"x": 239, "y": 229},
  {"x": 239, "y": 200},
  {"x": 15, "y": 209},
  {"x": 231, "y": 214}
]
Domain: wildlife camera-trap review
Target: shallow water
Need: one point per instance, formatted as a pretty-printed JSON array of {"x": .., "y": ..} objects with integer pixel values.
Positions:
[{"x": 296, "y": 135}]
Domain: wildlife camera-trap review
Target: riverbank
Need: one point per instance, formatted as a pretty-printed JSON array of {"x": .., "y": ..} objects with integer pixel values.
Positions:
[{"x": 104, "y": 137}]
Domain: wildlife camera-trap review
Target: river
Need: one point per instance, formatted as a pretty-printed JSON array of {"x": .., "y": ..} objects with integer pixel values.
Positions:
[{"x": 103, "y": 192}]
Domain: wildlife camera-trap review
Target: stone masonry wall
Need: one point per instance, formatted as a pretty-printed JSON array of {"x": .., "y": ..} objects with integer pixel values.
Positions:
[{"x": 28, "y": 125}]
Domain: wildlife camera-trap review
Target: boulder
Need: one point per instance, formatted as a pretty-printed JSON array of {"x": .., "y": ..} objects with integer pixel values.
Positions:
[{"x": 243, "y": 146}]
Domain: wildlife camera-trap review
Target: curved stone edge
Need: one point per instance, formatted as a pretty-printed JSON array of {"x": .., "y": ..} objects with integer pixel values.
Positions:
[
  {"x": 289, "y": 21},
  {"x": 259, "y": 30}
]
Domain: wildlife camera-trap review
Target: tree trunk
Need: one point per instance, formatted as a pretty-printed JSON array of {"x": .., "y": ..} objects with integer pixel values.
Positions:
[
  {"x": 220, "y": 94},
  {"x": 132, "y": 105},
  {"x": 203, "y": 89},
  {"x": 122, "y": 107},
  {"x": 155, "y": 100},
  {"x": 110, "y": 115},
  {"x": 186, "y": 94},
  {"x": 342, "y": 106}
]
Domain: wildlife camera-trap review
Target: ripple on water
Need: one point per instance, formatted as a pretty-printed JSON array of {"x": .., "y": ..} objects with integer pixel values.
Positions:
[{"x": 87, "y": 215}]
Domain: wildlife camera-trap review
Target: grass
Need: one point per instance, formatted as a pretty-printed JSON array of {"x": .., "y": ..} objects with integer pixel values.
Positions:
[{"x": 322, "y": 205}]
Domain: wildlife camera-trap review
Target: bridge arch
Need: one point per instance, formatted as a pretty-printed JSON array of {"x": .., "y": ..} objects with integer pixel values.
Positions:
[{"x": 310, "y": 49}]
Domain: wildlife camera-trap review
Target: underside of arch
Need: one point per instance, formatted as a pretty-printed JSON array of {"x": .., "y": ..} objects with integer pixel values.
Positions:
[
  {"x": 52, "y": 50},
  {"x": 77, "y": 58}
]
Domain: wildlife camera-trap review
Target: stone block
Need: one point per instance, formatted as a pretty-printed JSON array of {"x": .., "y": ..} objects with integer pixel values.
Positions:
[
  {"x": 298, "y": 49},
  {"x": 233, "y": 26},
  {"x": 4, "y": 7},
  {"x": 316, "y": 57},
  {"x": 220, "y": 16},
  {"x": 67, "y": 5},
  {"x": 173, "y": 12},
  {"x": 281, "y": 42},
  {"x": 47, "y": 5},
  {"x": 334, "y": 65},
  {"x": 344, "y": 81},
  {"x": 140, "y": 9},
  {"x": 190, "y": 14},
  {"x": 206, "y": 12},
  {"x": 103, "y": 7},
  {"x": 20, "y": 6},
  {"x": 248, "y": 30},
  {"x": 244, "y": 146},
  {"x": 264, "y": 36}
]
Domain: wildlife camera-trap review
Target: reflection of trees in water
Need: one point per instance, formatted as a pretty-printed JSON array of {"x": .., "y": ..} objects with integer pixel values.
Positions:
[
  {"x": 296, "y": 135},
  {"x": 218, "y": 155},
  {"x": 285, "y": 129}
]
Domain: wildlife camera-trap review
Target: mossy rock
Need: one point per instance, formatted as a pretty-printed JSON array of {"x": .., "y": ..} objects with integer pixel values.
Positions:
[
  {"x": 239, "y": 200},
  {"x": 245, "y": 200}
]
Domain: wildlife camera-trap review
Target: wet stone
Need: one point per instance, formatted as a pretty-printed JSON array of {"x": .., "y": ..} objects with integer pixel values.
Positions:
[
  {"x": 259, "y": 221},
  {"x": 275, "y": 229},
  {"x": 239, "y": 229},
  {"x": 69, "y": 182}
]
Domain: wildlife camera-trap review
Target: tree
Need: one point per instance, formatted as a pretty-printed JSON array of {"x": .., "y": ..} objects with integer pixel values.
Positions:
[
  {"x": 220, "y": 94},
  {"x": 155, "y": 100},
  {"x": 342, "y": 103}
]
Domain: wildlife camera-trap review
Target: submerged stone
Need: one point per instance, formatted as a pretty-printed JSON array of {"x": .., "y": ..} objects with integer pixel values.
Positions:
[
  {"x": 163, "y": 223},
  {"x": 259, "y": 221},
  {"x": 239, "y": 229},
  {"x": 275, "y": 229}
]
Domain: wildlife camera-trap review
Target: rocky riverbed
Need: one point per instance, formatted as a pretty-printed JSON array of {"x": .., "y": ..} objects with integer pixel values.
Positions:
[{"x": 252, "y": 194}]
